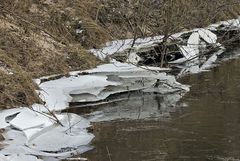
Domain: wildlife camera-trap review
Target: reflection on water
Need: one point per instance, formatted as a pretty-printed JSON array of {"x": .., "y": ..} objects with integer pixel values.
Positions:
[
  {"x": 207, "y": 129},
  {"x": 138, "y": 106}
]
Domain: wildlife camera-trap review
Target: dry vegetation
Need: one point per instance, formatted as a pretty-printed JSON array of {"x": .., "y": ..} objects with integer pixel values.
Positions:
[
  {"x": 125, "y": 18},
  {"x": 38, "y": 37},
  {"x": 16, "y": 85}
]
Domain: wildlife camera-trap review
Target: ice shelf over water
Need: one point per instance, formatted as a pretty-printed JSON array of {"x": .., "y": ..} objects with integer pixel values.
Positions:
[{"x": 101, "y": 82}]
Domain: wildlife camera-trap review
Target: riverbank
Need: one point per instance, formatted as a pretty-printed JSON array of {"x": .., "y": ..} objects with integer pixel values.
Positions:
[
  {"x": 48, "y": 37},
  {"x": 94, "y": 87}
]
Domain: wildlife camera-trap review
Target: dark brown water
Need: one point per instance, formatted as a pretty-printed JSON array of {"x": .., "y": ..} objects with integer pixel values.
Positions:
[{"x": 207, "y": 129}]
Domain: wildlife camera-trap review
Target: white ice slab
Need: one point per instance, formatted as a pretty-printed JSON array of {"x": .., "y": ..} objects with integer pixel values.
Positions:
[
  {"x": 209, "y": 63},
  {"x": 189, "y": 52},
  {"x": 207, "y": 36},
  {"x": 194, "y": 40},
  {"x": 57, "y": 139},
  {"x": 3, "y": 158},
  {"x": 56, "y": 93},
  {"x": 119, "y": 67},
  {"x": 124, "y": 45},
  {"x": 68, "y": 120},
  {"x": 71, "y": 138},
  {"x": 27, "y": 119},
  {"x": 133, "y": 58},
  {"x": 192, "y": 49},
  {"x": 22, "y": 157},
  {"x": 6, "y": 113},
  {"x": 30, "y": 133},
  {"x": 72, "y": 135}
]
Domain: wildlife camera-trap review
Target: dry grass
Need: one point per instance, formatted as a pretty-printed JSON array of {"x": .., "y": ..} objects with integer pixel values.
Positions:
[
  {"x": 152, "y": 17},
  {"x": 16, "y": 88},
  {"x": 38, "y": 38}
]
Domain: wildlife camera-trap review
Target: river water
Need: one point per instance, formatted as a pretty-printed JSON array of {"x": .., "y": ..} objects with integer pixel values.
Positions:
[{"x": 203, "y": 125}]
